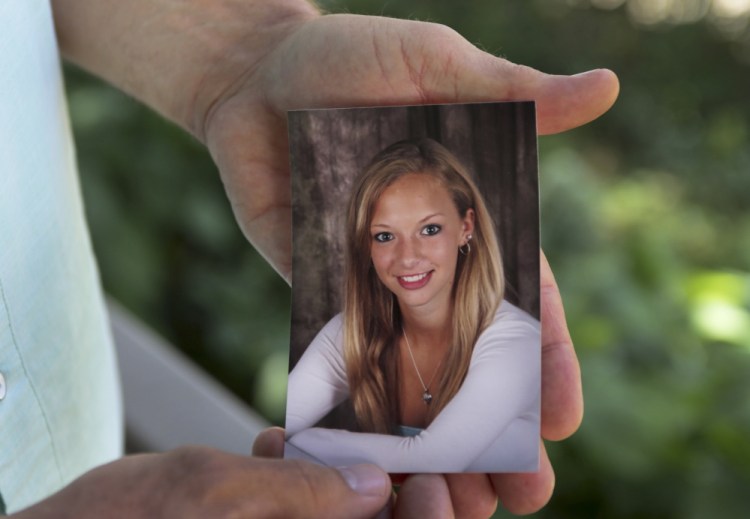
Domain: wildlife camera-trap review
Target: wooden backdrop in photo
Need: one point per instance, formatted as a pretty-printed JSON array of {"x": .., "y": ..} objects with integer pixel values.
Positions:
[{"x": 496, "y": 142}]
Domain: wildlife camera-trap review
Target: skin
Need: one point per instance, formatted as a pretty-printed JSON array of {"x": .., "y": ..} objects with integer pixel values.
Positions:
[
  {"x": 200, "y": 482},
  {"x": 227, "y": 71},
  {"x": 416, "y": 229}
]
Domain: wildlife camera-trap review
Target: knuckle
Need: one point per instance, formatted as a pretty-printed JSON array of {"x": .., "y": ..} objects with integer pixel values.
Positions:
[
  {"x": 307, "y": 480},
  {"x": 437, "y": 32},
  {"x": 200, "y": 472}
]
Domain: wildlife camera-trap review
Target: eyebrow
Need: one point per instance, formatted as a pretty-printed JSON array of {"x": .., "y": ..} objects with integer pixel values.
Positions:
[{"x": 428, "y": 217}]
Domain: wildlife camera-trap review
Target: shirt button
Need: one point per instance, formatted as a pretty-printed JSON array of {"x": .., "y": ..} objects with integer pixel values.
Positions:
[{"x": 2, "y": 386}]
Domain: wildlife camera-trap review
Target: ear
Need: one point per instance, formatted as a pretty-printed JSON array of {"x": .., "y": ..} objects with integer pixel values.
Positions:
[{"x": 467, "y": 226}]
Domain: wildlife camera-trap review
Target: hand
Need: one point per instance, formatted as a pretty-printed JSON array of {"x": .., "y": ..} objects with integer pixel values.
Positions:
[
  {"x": 476, "y": 495},
  {"x": 346, "y": 60},
  {"x": 421, "y": 495},
  {"x": 201, "y": 482},
  {"x": 354, "y": 61},
  {"x": 228, "y": 71}
]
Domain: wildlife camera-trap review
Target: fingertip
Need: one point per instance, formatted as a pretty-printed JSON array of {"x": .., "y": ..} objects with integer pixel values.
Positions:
[
  {"x": 526, "y": 493},
  {"x": 312, "y": 490},
  {"x": 562, "y": 394},
  {"x": 269, "y": 443},
  {"x": 424, "y": 495},
  {"x": 605, "y": 82},
  {"x": 366, "y": 480},
  {"x": 472, "y": 494},
  {"x": 565, "y": 102}
]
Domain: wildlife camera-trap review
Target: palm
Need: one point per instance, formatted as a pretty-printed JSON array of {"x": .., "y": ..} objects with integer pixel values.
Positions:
[{"x": 347, "y": 60}]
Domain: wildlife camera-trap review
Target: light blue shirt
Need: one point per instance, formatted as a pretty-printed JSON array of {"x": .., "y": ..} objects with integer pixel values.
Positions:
[{"x": 61, "y": 413}]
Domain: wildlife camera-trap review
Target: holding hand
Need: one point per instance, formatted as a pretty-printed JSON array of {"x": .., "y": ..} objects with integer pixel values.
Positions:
[
  {"x": 227, "y": 71},
  {"x": 200, "y": 482},
  {"x": 347, "y": 60}
]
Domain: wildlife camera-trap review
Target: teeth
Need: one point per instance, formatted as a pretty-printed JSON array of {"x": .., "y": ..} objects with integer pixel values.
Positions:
[{"x": 412, "y": 279}]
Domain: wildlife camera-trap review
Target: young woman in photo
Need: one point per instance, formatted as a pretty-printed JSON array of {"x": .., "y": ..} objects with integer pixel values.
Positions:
[{"x": 442, "y": 373}]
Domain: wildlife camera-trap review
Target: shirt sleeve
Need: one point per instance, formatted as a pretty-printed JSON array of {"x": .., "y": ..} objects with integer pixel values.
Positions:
[
  {"x": 318, "y": 382},
  {"x": 498, "y": 401}
]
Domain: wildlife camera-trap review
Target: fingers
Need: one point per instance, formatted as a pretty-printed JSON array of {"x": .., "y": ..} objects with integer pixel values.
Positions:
[
  {"x": 424, "y": 495},
  {"x": 562, "y": 411},
  {"x": 301, "y": 489},
  {"x": 459, "y": 72},
  {"x": 249, "y": 145},
  {"x": 562, "y": 402},
  {"x": 472, "y": 495},
  {"x": 370, "y": 484},
  {"x": 563, "y": 102},
  {"x": 346, "y": 60},
  {"x": 204, "y": 482},
  {"x": 562, "y": 397},
  {"x": 269, "y": 443},
  {"x": 387, "y": 61},
  {"x": 525, "y": 493},
  {"x": 289, "y": 488}
]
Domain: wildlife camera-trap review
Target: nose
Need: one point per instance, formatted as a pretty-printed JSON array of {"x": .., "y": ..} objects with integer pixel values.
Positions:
[{"x": 409, "y": 252}]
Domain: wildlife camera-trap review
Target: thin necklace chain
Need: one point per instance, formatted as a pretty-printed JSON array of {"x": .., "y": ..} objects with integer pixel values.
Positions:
[{"x": 426, "y": 396}]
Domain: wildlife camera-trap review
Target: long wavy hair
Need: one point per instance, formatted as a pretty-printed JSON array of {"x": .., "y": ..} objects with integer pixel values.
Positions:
[{"x": 372, "y": 319}]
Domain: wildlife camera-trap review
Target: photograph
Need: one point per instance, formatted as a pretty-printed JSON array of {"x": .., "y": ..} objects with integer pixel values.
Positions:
[
  {"x": 415, "y": 337},
  {"x": 148, "y": 265}
]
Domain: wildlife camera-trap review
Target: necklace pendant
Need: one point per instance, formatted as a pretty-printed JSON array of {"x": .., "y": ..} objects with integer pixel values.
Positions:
[{"x": 427, "y": 397}]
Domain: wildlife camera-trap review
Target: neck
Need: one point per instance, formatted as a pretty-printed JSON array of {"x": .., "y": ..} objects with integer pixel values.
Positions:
[{"x": 427, "y": 327}]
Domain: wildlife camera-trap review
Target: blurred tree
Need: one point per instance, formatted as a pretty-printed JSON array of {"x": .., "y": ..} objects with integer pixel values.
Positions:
[{"x": 167, "y": 243}]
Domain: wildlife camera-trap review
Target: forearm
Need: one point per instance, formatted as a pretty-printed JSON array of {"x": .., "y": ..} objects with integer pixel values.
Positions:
[
  {"x": 514, "y": 449},
  {"x": 318, "y": 382},
  {"x": 177, "y": 56}
]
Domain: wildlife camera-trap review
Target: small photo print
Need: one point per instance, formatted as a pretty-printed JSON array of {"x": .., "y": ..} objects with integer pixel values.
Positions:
[{"x": 415, "y": 337}]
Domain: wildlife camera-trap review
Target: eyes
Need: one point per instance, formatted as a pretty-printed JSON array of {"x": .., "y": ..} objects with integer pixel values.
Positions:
[
  {"x": 428, "y": 230},
  {"x": 431, "y": 229},
  {"x": 383, "y": 237}
]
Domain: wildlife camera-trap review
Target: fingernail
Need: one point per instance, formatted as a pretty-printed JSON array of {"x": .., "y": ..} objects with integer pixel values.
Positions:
[{"x": 366, "y": 480}]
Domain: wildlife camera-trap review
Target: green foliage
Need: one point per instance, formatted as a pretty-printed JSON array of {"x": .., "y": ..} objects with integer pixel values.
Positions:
[
  {"x": 168, "y": 245},
  {"x": 644, "y": 218}
]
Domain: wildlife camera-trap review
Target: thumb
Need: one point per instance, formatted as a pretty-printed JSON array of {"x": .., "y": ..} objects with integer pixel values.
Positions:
[
  {"x": 565, "y": 102},
  {"x": 562, "y": 102},
  {"x": 269, "y": 443},
  {"x": 453, "y": 70},
  {"x": 314, "y": 491},
  {"x": 386, "y": 61}
]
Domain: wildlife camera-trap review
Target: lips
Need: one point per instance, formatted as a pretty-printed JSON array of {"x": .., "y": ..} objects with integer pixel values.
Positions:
[{"x": 415, "y": 281}]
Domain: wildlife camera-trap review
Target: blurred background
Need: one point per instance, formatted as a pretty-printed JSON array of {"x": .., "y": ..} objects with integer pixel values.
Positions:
[{"x": 645, "y": 220}]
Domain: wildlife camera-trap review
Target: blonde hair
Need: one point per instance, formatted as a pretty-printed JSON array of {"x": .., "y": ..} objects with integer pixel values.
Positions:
[{"x": 372, "y": 320}]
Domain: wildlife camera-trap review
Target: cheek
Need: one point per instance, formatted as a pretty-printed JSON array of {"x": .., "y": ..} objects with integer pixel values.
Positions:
[
  {"x": 445, "y": 252},
  {"x": 380, "y": 260}
]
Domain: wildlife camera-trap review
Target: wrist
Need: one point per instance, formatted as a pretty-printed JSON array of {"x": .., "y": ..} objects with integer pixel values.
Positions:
[
  {"x": 180, "y": 58},
  {"x": 243, "y": 39}
]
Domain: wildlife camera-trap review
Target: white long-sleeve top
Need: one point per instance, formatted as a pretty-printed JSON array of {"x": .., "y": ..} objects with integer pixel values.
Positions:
[{"x": 490, "y": 425}]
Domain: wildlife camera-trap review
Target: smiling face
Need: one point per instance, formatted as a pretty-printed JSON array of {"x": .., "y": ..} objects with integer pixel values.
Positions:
[{"x": 416, "y": 231}]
